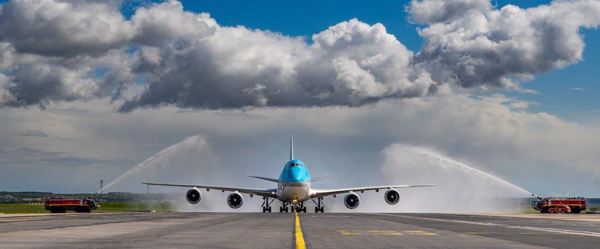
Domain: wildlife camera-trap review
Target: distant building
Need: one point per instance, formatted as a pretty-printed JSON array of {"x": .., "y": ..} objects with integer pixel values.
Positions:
[{"x": 7, "y": 198}]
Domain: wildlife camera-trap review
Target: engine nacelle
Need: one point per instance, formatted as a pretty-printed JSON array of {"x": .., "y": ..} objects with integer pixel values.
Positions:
[
  {"x": 351, "y": 200},
  {"x": 193, "y": 196},
  {"x": 392, "y": 197},
  {"x": 235, "y": 200}
]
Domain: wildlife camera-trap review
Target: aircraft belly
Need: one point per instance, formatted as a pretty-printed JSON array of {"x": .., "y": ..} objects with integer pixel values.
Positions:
[{"x": 296, "y": 192}]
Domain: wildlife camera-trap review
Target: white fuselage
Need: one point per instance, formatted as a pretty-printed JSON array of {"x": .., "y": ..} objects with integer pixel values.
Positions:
[{"x": 293, "y": 191}]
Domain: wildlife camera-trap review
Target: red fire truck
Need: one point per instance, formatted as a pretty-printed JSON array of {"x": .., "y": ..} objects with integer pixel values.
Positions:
[
  {"x": 560, "y": 205},
  {"x": 61, "y": 205}
]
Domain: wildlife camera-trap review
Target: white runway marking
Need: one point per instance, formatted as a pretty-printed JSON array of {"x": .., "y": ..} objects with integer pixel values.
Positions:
[{"x": 530, "y": 228}]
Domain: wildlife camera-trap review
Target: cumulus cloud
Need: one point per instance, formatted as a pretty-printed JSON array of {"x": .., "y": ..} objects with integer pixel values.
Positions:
[
  {"x": 470, "y": 44},
  {"x": 435, "y": 11},
  {"x": 5, "y": 95},
  {"x": 53, "y": 51},
  {"x": 206, "y": 65},
  {"x": 63, "y": 28}
]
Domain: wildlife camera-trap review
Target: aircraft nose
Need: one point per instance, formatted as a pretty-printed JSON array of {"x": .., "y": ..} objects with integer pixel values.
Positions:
[{"x": 297, "y": 174}]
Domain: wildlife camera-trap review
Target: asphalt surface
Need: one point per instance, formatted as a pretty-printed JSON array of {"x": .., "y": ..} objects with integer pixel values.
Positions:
[{"x": 275, "y": 230}]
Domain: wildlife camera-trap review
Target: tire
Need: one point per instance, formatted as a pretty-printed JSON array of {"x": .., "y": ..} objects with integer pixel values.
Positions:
[
  {"x": 575, "y": 210},
  {"x": 58, "y": 210},
  {"x": 82, "y": 210}
]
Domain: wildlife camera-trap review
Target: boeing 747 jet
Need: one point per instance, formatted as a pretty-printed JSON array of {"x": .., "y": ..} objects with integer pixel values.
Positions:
[{"x": 293, "y": 190}]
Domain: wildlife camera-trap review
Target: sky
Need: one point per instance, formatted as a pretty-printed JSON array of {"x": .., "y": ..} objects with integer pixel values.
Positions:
[{"x": 90, "y": 89}]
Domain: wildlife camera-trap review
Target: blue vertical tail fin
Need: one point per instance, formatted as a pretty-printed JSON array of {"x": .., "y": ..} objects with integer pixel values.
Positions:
[{"x": 291, "y": 147}]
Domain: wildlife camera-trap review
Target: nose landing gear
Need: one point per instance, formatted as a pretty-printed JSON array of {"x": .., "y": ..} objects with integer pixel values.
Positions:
[
  {"x": 284, "y": 207},
  {"x": 300, "y": 208}
]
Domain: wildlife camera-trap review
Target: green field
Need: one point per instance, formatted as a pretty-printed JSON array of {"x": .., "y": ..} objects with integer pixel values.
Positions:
[
  {"x": 105, "y": 207},
  {"x": 134, "y": 207},
  {"x": 18, "y": 208}
]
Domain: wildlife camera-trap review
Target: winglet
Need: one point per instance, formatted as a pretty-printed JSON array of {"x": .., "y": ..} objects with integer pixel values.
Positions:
[{"x": 291, "y": 147}]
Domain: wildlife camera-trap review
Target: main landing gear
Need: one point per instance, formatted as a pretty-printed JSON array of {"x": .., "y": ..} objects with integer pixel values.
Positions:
[
  {"x": 319, "y": 205},
  {"x": 297, "y": 207},
  {"x": 266, "y": 205}
]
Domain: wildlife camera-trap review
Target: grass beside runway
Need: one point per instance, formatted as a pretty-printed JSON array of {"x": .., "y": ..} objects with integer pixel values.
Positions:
[
  {"x": 109, "y": 207},
  {"x": 19, "y": 208},
  {"x": 105, "y": 207}
]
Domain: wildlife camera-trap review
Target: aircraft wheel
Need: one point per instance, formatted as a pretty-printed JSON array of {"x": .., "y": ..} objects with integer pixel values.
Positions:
[{"x": 58, "y": 210}]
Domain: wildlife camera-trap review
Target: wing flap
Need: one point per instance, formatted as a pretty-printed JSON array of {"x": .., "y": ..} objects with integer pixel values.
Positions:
[
  {"x": 260, "y": 192},
  {"x": 326, "y": 192}
]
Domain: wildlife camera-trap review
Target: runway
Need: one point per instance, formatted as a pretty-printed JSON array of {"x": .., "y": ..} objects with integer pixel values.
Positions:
[{"x": 275, "y": 230}]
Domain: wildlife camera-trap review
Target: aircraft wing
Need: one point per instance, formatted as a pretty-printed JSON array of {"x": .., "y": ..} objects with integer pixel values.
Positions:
[
  {"x": 260, "y": 192},
  {"x": 325, "y": 192},
  {"x": 265, "y": 178}
]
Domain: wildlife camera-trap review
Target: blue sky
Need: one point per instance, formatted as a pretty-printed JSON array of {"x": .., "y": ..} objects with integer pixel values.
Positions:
[{"x": 572, "y": 92}]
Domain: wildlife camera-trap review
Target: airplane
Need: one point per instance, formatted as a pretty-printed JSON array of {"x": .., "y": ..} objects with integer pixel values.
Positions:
[{"x": 293, "y": 189}]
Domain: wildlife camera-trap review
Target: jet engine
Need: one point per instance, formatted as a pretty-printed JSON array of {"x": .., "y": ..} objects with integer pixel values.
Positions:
[
  {"x": 392, "y": 197},
  {"x": 193, "y": 196},
  {"x": 351, "y": 200},
  {"x": 235, "y": 200}
]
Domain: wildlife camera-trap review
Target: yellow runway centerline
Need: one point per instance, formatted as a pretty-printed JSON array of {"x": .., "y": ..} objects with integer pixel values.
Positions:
[{"x": 300, "y": 244}]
